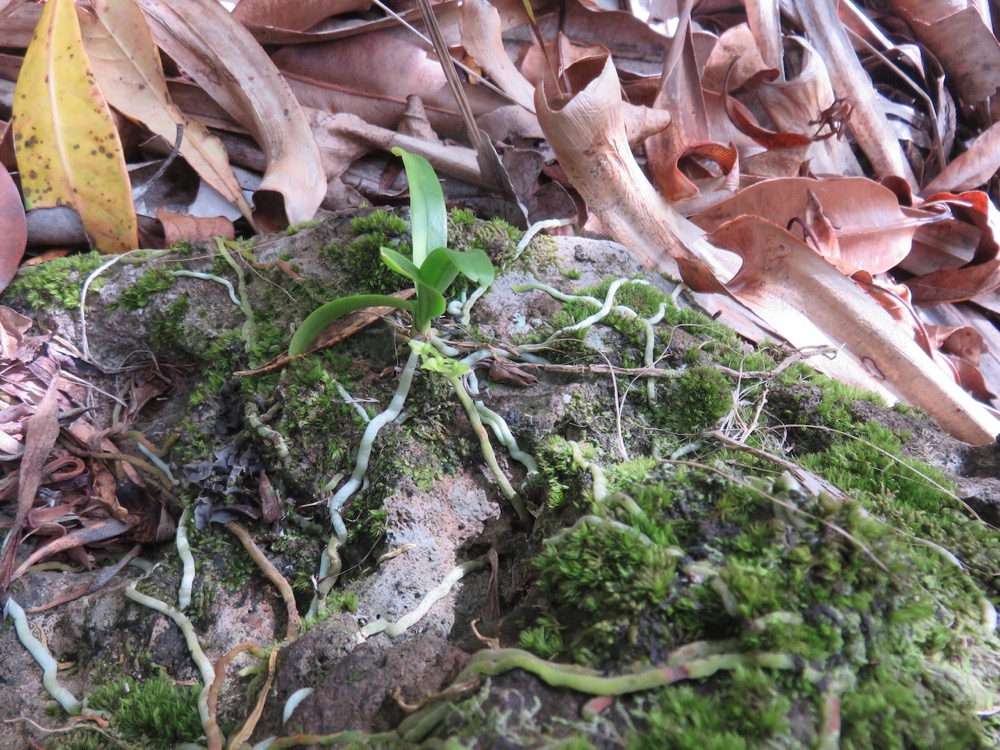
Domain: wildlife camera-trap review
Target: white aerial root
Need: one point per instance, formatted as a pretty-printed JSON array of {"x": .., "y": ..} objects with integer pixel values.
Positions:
[
  {"x": 392, "y": 629},
  {"x": 187, "y": 561},
  {"x": 190, "y": 637},
  {"x": 392, "y": 411},
  {"x": 41, "y": 655}
]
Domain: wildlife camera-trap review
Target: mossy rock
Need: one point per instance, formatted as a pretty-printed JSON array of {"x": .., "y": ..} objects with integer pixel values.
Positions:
[{"x": 666, "y": 536}]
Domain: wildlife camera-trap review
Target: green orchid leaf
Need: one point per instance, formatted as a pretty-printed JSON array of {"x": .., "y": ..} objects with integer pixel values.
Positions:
[
  {"x": 438, "y": 270},
  {"x": 430, "y": 304},
  {"x": 474, "y": 264},
  {"x": 323, "y": 316},
  {"x": 443, "y": 265},
  {"x": 428, "y": 214},
  {"x": 402, "y": 265}
]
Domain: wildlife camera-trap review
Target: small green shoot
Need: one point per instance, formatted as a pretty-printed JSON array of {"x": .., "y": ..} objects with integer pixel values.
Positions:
[{"x": 433, "y": 269}]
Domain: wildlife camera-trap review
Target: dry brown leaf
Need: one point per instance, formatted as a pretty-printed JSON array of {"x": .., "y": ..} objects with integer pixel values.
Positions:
[
  {"x": 873, "y": 233},
  {"x": 764, "y": 21},
  {"x": 681, "y": 94},
  {"x": 127, "y": 65},
  {"x": 480, "y": 27},
  {"x": 587, "y": 133},
  {"x": 795, "y": 103},
  {"x": 98, "y": 531},
  {"x": 961, "y": 39},
  {"x": 785, "y": 283},
  {"x": 178, "y": 227},
  {"x": 13, "y": 326},
  {"x": 746, "y": 123},
  {"x": 13, "y": 228},
  {"x": 296, "y": 16},
  {"x": 219, "y": 53},
  {"x": 338, "y": 331},
  {"x": 372, "y": 76},
  {"x": 343, "y": 138},
  {"x": 736, "y": 54},
  {"x": 40, "y": 437},
  {"x": 981, "y": 274},
  {"x": 869, "y": 124},
  {"x": 9, "y": 6},
  {"x": 971, "y": 169},
  {"x": 19, "y": 25},
  {"x": 340, "y": 28},
  {"x": 784, "y": 280}
]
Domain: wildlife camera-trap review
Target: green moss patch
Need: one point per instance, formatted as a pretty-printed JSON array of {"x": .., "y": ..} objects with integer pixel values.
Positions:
[
  {"x": 56, "y": 283},
  {"x": 883, "y": 624},
  {"x": 152, "y": 713}
]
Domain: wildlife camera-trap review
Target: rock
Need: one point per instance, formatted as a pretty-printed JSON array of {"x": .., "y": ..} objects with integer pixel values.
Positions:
[{"x": 633, "y": 562}]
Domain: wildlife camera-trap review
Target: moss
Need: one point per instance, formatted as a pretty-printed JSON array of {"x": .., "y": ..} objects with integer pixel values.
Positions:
[
  {"x": 151, "y": 713},
  {"x": 361, "y": 257},
  {"x": 296, "y": 228},
  {"x": 695, "y": 401},
  {"x": 743, "y": 715},
  {"x": 56, "y": 283},
  {"x": 154, "y": 280},
  {"x": 561, "y": 480},
  {"x": 543, "y": 638},
  {"x": 762, "y": 568},
  {"x": 167, "y": 330}
]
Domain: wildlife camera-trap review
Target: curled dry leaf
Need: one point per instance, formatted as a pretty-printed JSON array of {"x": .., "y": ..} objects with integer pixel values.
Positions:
[
  {"x": 981, "y": 274},
  {"x": 747, "y": 124},
  {"x": 128, "y": 69},
  {"x": 796, "y": 102},
  {"x": 480, "y": 26},
  {"x": 587, "y": 133},
  {"x": 219, "y": 53},
  {"x": 872, "y": 232},
  {"x": 961, "y": 341},
  {"x": 869, "y": 124},
  {"x": 680, "y": 93}
]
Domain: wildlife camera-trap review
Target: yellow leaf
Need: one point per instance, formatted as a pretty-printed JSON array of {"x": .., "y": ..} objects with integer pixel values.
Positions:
[
  {"x": 127, "y": 66},
  {"x": 68, "y": 150}
]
